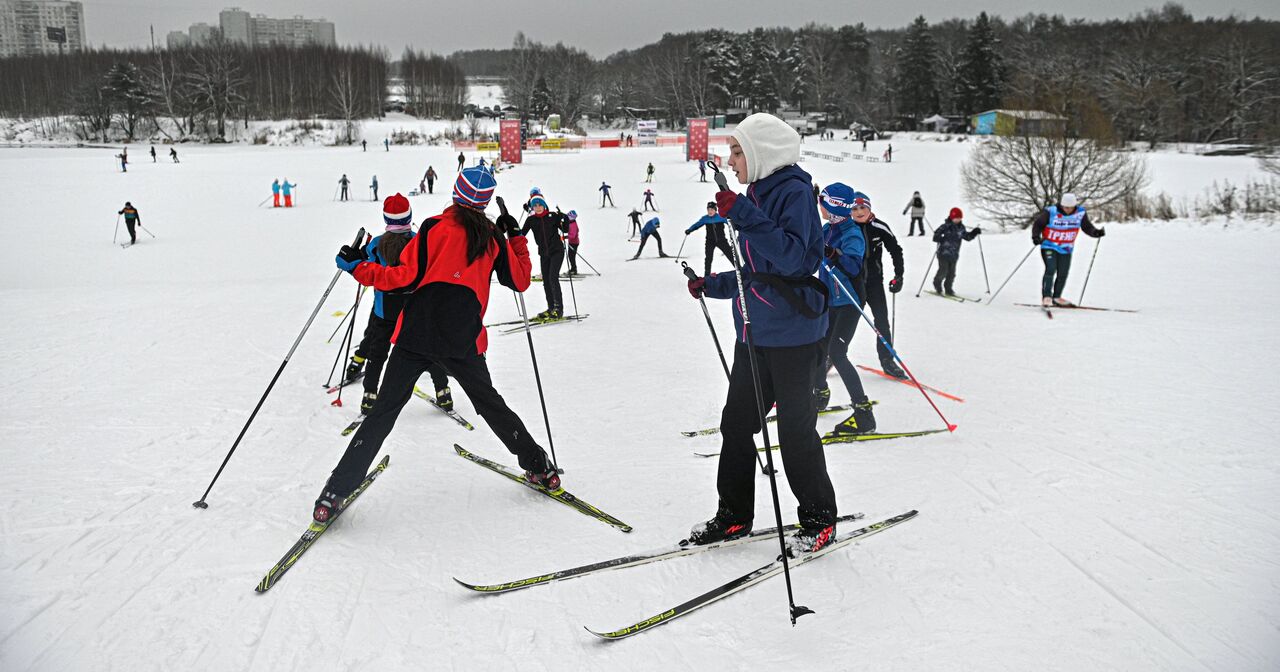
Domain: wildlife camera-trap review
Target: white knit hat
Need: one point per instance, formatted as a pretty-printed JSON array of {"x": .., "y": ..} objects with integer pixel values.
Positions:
[
  {"x": 1069, "y": 201},
  {"x": 768, "y": 143}
]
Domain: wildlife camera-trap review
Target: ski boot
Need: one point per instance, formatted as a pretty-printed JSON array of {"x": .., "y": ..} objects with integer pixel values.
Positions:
[
  {"x": 662, "y": 255},
  {"x": 862, "y": 421},
  {"x": 1046, "y": 302},
  {"x": 821, "y": 398},
  {"x": 937, "y": 288},
  {"x": 1063, "y": 303},
  {"x": 355, "y": 367},
  {"x": 327, "y": 507},
  {"x": 949, "y": 292},
  {"x": 636, "y": 257},
  {"x": 444, "y": 398},
  {"x": 366, "y": 402},
  {"x": 548, "y": 479},
  {"x": 720, "y": 528},
  {"x": 554, "y": 314},
  {"x": 809, "y": 539},
  {"x": 891, "y": 367},
  {"x": 541, "y": 317}
]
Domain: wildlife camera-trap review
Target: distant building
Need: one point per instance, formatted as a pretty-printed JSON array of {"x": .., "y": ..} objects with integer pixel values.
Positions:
[
  {"x": 294, "y": 32},
  {"x": 236, "y": 25},
  {"x": 1017, "y": 122},
  {"x": 203, "y": 33},
  {"x": 25, "y": 27},
  {"x": 177, "y": 39}
]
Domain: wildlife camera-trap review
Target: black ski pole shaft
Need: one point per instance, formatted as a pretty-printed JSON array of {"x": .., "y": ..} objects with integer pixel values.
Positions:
[
  {"x": 893, "y": 321},
  {"x": 984, "y": 264},
  {"x": 351, "y": 337},
  {"x": 345, "y": 336},
  {"x": 689, "y": 273},
  {"x": 343, "y": 323},
  {"x": 140, "y": 226},
  {"x": 572, "y": 294},
  {"x": 926, "y": 221},
  {"x": 795, "y": 611},
  {"x": 117, "y": 232},
  {"x": 926, "y": 273},
  {"x": 1015, "y": 272},
  {"x": 1089, "y": 272},
  {"x": 201, "y": 503},
  {"x": 681, "y": 250},
  {"x": 584, "y": 260},
  {"x": 263, "y": 201}
]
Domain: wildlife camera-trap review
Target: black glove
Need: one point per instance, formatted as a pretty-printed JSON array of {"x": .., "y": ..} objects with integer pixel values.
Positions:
[
  {"x": 977, "y": 230},
  {"x": 895, "y": 285},
  {"x": 1037, "y": 239},
  {"x": 506, "y": 223},
  {"x": 831, "y": 253},
  {"x": 1102, "y": 232},
  {"x": 351, "y": 254}
]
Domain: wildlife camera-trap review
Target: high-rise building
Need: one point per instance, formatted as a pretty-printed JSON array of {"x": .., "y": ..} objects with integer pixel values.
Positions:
[
  {"x": 177, "y": 39},
  {"x": 237, "y": 25},
  {"x": 203, "y": 33},
  {"x": 26, "y": 27},
  {"x": 294, "y": 32}
]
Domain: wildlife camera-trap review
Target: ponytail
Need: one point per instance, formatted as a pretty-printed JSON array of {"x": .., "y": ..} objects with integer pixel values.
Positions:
[{"x": 480, "y": 232}]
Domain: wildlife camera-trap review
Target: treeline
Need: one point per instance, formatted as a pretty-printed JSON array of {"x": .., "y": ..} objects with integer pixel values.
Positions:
[
  {"x": 1157, "y": 76},
  {"x": 434, "y": 86},
  {"x": 193, "y": 91}
]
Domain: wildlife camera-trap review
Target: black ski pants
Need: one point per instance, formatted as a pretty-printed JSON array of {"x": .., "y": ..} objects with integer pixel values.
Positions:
[
  {"x": 550, "y": 262},
  {"x": 1056, "y": 267},
  {"x": 786, "y": 377},
  {"x": 644, "y": 238},
  {"x": 878, "y": 303},
  {"x": 842, "y": 323},
  {"x": 343, "y": 197},
  {"x": 648, "y": 203},
  {"x": 945, "y": 278},
  {"x": 403, "y": 370},
  {"x": 374, "y": 347},
  {"x": 431, "y": 186},
  {"x": 911, "y": 227},
  {"x": 573, "y": 259},
  {"x": 604, "y": 195},
  {"x": 133, "y": 235},
  {"x": 718, "y": 241}
]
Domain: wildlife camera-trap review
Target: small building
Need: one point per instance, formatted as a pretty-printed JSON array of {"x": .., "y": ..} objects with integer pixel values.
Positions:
[{"x": 1017, "y": 122}]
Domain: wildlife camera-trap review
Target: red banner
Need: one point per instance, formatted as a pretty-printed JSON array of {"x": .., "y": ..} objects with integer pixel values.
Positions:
[
  {"x": 509, "y": 136},
  {"x": 695, "y": 147}
]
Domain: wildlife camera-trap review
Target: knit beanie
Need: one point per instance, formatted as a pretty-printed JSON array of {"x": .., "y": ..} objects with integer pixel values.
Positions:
[
  {"x": 955, "y": 215},
  {"x": 768, "y": 143},
  {"x": 474, "y": 187},
  {"x": 538, "y": 200},
  {"x": 397, "y": 213},
  {"x": 837, "y": 199},
  {"x": 573, "y": 215}
]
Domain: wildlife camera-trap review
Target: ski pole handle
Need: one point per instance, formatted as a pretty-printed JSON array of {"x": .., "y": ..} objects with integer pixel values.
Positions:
[
  {"x": 688, "y": 272},
  {"x": 502, "y": 205}
]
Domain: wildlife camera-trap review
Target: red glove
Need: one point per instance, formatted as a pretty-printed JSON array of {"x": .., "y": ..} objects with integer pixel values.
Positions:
[
  {"x": 724, "y": 202},
  {"x": 696, "y": 286}
]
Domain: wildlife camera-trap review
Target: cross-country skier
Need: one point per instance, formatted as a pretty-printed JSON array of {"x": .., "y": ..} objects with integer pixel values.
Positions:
[
  {"x": 173, "y": 154},
  {"x": 949, "y": 235},
  {"x": 777, "y": 221},
  {"x": 342, "y": 183},
  {"x": 845, "y": 252},
  {"x": 635, "y": 222},
  {"x": 153, "y": 153},
  {"x": 275, "y": 193},
  {"x": 650, "y": 230},
  {"x": 605, "y": 195},
  {"x": 372, "y": 352},
  {"x": 287, "y": 190},
  {"x": 1055, "y": 230},
  {"x": 716, "y": 238},
  {"x": 547, "y": 227},
  {"x": 430, "y": 177},
  {"x": 648, "y": 201},
  {"x": 131, "y": 219},
  {"x": 574, "y": 241},
  {"x": 916, "y": 206},
  {"x": 364, "y": 145},
  {"x": 880, "y": 237},
  {"x": 702, "y": 170},
  {"x": 447, "y": 267},
  {"x": 462, "y": 161},
  {"x": 374, "y": 186},
  {"x": 536, "y": 191},
  {"x": 386, "y": 144},
  {"x": 648, "y": 173},
  {"x": 124, "y": 160}
]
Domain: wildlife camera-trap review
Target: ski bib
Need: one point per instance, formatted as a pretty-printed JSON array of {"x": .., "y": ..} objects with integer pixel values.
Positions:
[{"x": 1061, "y": 231}]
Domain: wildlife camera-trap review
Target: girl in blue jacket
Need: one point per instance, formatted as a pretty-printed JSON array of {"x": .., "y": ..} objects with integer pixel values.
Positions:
[{"x": 780, "y": 239}]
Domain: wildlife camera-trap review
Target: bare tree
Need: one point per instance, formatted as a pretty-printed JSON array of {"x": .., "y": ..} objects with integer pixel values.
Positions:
[
  {"x": 1012, "y": 178},
  {"x": 216, "y": 84}
]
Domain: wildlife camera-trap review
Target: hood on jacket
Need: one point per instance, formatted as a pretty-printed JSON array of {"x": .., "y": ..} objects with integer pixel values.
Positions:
[{"x": 768, "y": 143}]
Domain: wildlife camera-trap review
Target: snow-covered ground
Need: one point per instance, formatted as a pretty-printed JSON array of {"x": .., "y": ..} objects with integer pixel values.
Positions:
[{"x": 1108, "y": 502}]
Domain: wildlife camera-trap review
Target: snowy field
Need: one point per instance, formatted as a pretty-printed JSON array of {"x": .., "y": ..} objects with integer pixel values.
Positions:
[{"x": 1108, "y": 502}]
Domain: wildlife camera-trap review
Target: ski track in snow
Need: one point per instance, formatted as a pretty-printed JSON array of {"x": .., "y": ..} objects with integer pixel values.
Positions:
[{"x": 1108, "y": 502}]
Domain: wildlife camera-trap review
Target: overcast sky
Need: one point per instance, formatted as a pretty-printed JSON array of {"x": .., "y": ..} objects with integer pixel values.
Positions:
[{"x": 601, "y": 27}]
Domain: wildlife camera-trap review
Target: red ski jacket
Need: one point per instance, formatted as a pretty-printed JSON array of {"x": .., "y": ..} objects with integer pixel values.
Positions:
[{"x": 444, "y": 314}]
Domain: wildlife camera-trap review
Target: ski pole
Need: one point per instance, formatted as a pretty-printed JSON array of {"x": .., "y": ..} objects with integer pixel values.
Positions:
[
  {"x": 351, "y": 336},
  {"x": 795, "y": 610},
  {"x": 686, "y": 239},
  {"x": 1015, "y": 271},
  {"x": 533, "y": 356},
  {"x": 335, "y": 193},
  {"x": 584, "y": 260},
  {"x": 926, "y": 221},
  {"x": 262, "y": 202},
  {"x": 572, "y": 293},
  {"x": 689, "y": 273},
  {"x": 1089, "y": 272},
  {"x": 893, "y": 321},
  {"x": 345, "y": 337},
  {"x": 984, "y": 264},
  {"x": 140, "y": 226},
  {"x": 117, "y": 233},
  {"x": 343, "y": 322},
  {"x": 926, "y": 273},
  {"x": 885, "y": 342},
  {"x": 201, "y": 503}
]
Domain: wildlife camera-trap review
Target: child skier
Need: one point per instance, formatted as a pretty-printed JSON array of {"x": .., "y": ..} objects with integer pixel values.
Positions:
[
  {"x": 287, "y": 190},
  {"x": 648, "y": 173},
  {"x": 650, "y": 229},
  {"x": 131, "y": 219},
  {"x": 949, "y": 235},
  {"x": 275, "y": 193},
  {"x": 443, "y": 322},
  {"x": 376, "y": 343},
  {"x": 574, "y": 240},
  {"x": 777, "y": 221},
  {"x": 635, "y": 222},
  {"x": 173, "y": 154},
  {"x": 716, "y": 238},
  {"x": 844, "y": 274},
  {"x": 916, "y": 206},
  {"x": 342, "y": 183},
  {"x": 547, "y": 227},
  {"x": 605, "y": 195},
  {"x": 1055, "y": 230},
  {"x": 648, "y": 200},
  {"x": 374, "y": 186}
]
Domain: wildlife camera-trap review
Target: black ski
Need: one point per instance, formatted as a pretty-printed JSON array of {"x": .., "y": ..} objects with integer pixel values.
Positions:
[
  {"x": 351, "y": 428},
  {"x": 828, "y": 439},
  {"x": 954, "y": 297},
  {"x": 534, "y": 324},
  {"x": 666, "y": 553},
  {"x": 314, "y": 530},
  {"x": 560, "y": 494},
  {"x": 447, "y": 411},
  {"x": 750, "y": 579},
  {"x": 1109, "y": 310},
  {"x": 708, "y": 431}
]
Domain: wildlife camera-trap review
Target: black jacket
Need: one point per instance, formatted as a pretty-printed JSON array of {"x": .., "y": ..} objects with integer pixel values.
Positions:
[
  {"x": 546, "y": 231},
  {"x": 879, "y": 236},
  {"x": 949, "y": 235}
]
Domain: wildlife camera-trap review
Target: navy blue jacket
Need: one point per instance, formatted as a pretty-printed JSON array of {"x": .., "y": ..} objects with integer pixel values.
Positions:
[
  {"x": 949, "y": 235},
  {"x": 846, "y": 237},
  {"x": 779, "y": 232}
]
